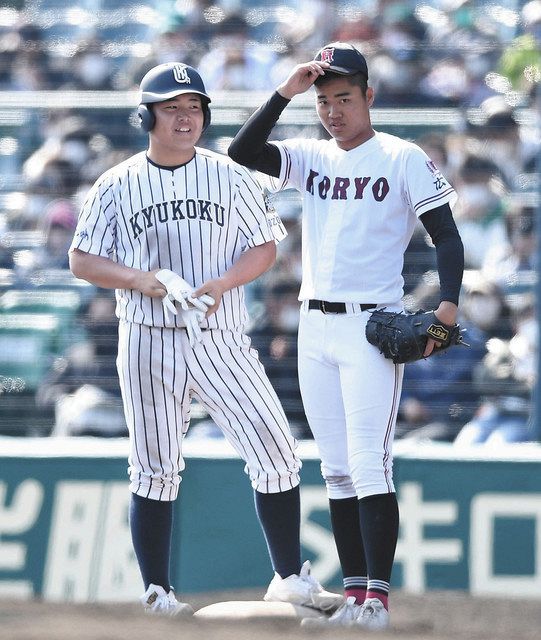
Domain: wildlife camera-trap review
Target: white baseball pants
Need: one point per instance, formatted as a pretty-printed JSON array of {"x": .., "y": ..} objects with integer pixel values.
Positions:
[{"x": 350, "y": 394}]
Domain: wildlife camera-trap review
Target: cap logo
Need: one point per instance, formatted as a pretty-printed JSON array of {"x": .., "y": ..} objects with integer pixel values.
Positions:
[
  {"x": 327, "y": 55},
  {"x": 180, "y": 73}
]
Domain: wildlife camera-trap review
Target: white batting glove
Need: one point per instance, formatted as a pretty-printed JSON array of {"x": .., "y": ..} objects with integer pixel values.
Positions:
[
  {"x": 181, "y": 291},
  {"x": 192, "y": 318},
  {"x": 177, "y": 287}
]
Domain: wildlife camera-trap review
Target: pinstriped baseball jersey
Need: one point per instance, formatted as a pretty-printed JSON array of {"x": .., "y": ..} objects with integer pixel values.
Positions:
[
  {"x": 195, "y": 219},
  {"x": 359, "y": 211}
]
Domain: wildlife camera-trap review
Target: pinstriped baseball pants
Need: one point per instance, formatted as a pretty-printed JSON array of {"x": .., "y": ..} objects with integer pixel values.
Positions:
[{"x": 159, "y": 375}]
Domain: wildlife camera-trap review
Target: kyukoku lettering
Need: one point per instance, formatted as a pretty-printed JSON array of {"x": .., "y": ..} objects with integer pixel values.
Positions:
[{"x": 174, "y": 211}]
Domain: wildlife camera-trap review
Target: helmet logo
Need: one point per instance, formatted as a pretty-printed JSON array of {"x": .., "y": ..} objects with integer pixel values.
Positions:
[
  {"x": 180, "y": 74},
  {"x": 327, "y": 55}
]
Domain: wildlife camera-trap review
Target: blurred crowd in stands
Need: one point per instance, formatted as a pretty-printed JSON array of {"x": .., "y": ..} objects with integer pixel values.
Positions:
[{"x": 479, "y": 59}]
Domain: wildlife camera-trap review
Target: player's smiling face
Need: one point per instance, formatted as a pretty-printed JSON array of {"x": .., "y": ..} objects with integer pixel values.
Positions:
[
  {"x": 179, "y": 124},
  {"x": 344, "y": 112}
]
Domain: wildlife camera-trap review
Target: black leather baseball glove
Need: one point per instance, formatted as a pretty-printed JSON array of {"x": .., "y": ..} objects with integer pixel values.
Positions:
[{"x": 402, "y": 337}]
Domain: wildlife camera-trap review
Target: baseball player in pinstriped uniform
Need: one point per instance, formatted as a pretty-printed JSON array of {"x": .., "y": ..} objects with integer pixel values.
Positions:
[
  {"x": 362, "y": 192},
  {"x": 177, "y": 230}
]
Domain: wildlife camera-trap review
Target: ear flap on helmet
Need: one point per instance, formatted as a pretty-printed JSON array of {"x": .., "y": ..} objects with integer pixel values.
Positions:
[
  {"x": 146, "y": 117},
  {"x": 206, "y": 111}
]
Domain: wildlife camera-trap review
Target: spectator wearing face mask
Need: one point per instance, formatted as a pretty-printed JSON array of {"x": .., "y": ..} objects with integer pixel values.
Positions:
[
  {"x": 56, "y": 167},
  {"x": 395, "y": 76},
  {"x": 89, "y": 68},
  {"x": 28, "y": 64},
  {"x": 512, "y": 264},
  {"x": 500, "y": 138},
  {"x": 479, "y": 210},
  {"x": 235, "y": 62},
  {"x": 484, "y": 307}
]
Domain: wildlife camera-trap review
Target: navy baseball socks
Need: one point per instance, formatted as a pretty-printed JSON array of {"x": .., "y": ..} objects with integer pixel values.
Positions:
[
  {"x": 151, "y": 525},
  {"x": 379, "y": 521},
  {"x": 280, "y": 518},
  {"x": 372, "y": 524},
  {"x": 363, "y": 529},
  {"x": 279, "y": 515},
  {"x": 349, "y": 544}
]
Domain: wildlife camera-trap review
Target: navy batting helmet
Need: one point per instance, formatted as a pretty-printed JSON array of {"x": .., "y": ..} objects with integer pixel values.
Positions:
[{"x": 167, "y": 81}]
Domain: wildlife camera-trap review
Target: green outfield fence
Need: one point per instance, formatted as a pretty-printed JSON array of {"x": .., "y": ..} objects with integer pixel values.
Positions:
[{"x": 470, "y": 521}]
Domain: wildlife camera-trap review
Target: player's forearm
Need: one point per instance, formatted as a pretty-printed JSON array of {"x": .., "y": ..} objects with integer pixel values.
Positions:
[
  {"x": 450, "y": 261},
  {"x": 101, "y": 271},
  {"x": 250, "y": 265},
  {"x": 449, "y": 251},
  {"x": 107, "y": 274},
  {"x": 250, "y": 147}
]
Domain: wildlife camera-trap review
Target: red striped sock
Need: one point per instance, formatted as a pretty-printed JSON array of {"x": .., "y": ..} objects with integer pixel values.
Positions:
[
  {"x": 359, "y": 594},
  {"x": 379, "y": 596}
]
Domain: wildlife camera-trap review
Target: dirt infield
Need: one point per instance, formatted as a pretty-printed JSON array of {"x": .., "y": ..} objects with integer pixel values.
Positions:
[{"x": 437, "y": 616}]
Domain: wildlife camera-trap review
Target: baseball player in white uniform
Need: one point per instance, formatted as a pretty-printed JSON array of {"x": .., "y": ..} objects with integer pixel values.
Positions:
[
  {"x": 363, "y": 192},
  {"x": 178, "y": 230}
]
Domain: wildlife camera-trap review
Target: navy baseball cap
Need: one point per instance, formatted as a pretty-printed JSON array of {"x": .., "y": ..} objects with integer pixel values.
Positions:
[{"x": 344, "y": 59}]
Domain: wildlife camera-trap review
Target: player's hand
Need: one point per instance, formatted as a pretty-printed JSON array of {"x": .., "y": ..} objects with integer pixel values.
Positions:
[
  {"x": 214, "y": 289},
  {"x": 301, "y": 78},
  {"x": 146, "y": 283},
  {"x": 446, "y": 313},
  {"x": 178, "y": 289}
]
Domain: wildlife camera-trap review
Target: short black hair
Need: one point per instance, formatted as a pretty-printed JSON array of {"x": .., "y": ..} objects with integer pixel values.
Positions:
[{"x": 354, "y": 79}]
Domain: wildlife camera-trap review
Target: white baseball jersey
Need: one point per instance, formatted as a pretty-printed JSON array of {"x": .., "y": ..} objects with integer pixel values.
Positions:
[
  {"x": 195, "y": 219},
  {"x": 359, "y": 212}
]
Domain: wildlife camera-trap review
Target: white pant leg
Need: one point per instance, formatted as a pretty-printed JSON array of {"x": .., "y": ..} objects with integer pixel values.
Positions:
[
  {"x": 228, "y": 378},
  {"x": 154, "y": 386},
  {"x": 351, "y": 395},
  {"x": 319, "y": 382},
  {"x": 371, "y": 387}
]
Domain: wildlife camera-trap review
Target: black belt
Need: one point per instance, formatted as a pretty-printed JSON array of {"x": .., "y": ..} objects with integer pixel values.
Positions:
[{"x": 335, "y": 307}]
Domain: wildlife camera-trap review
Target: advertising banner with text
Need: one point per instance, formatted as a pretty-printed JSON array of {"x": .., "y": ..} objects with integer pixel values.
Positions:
[{"x": 468, "y": 520}]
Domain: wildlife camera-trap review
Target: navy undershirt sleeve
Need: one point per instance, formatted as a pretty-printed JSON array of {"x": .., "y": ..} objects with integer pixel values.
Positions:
[
  {"x": 250, "y": 147},
  {"x": 441, "y": 227}
]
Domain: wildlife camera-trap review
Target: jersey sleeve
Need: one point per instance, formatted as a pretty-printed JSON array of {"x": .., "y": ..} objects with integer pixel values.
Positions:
[
  {"x": 292, "y": 166},
  {"x": 258, "y": 220},
  {"x": 425, "y": 186},
  {"x": 95, "y": 231}
]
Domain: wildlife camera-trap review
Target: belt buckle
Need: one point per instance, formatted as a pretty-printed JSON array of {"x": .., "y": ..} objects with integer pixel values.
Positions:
[{"x": 322, "y": 306}]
